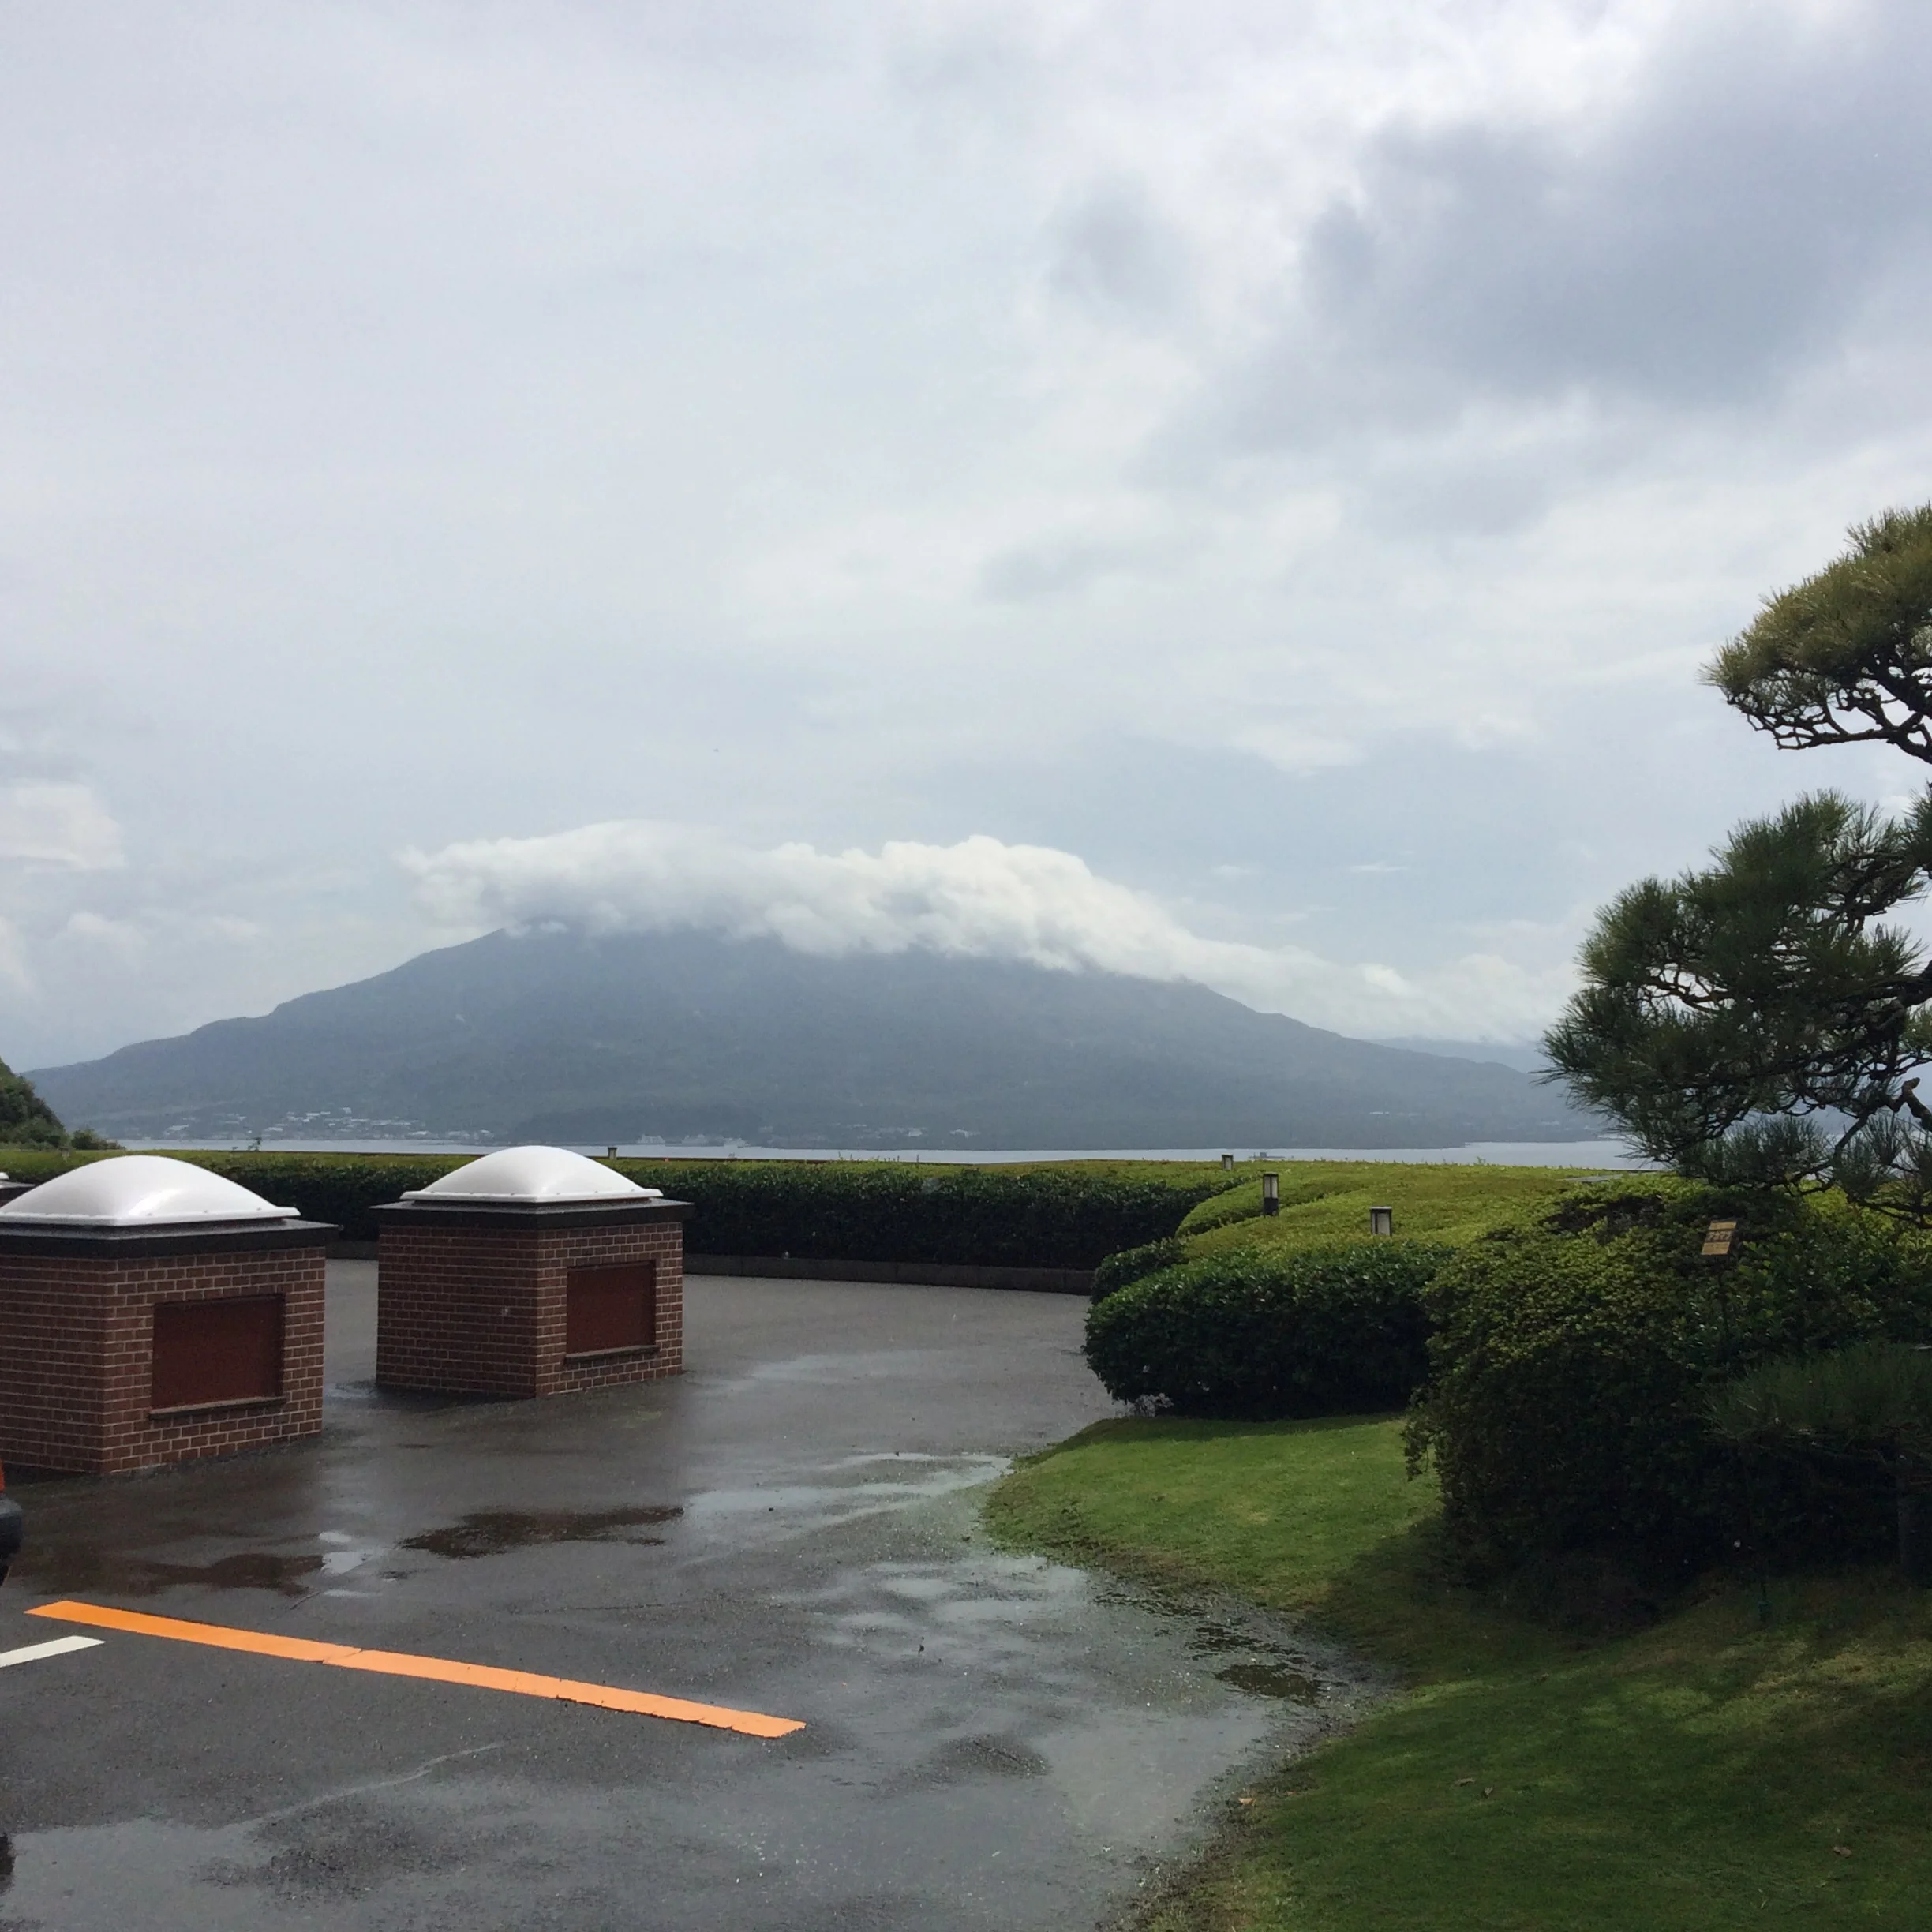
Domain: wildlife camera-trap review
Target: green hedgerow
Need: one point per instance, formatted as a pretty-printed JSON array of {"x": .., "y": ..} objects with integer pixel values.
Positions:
[
  {"x": 1069, "y": 1215},
  {"x": 1270, "y": 1332},
  {"x": 1572, "y": 1365}
]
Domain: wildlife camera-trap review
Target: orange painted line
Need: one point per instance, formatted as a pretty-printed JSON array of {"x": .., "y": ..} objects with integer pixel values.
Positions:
[
  {"x": 440, "y": 1670},
  {"x": 218, "y": 1635}
]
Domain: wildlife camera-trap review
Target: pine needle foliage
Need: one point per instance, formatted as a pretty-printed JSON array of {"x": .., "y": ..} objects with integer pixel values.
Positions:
[
  {"x": 1874, "y": 1394},
  {"x": 1845, "y": 657},
  {"x": 1764, "y": 1021}
]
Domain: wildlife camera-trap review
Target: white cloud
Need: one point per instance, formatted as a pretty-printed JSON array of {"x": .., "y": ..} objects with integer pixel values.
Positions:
[
  {"x": 13, "y": 970},
  {"x": 64, "y": 826},
  {"x": 980, "y": 897},
  {"x": 120, "y": 937}
]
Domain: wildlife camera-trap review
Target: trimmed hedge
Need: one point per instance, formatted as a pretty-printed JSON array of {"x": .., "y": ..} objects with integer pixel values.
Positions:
[
  {"x": 1131, "y": 1264},
  {"x": 1241, "y": 1201},
  {"x": 1573, "y": 1363},
  {"x": 1045, "y": 1216},
  {"x": 1264, "y": 1332}
]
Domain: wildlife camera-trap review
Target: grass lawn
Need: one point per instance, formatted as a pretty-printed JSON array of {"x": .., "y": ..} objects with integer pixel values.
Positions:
[
  {"x": 1709, "y": 1772},
  {"x": 1329, "y": 1201}
]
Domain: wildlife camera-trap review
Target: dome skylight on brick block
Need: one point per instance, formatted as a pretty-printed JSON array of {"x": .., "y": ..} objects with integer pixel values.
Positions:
[
  {"x": 533, "y": 1176},
  {"x": 140, "y": 1190}
]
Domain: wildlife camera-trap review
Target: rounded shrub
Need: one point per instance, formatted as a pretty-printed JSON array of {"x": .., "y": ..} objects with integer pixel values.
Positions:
[
  {"x": 1131, "y": 1264},
  {"x": 1572, "y": 1365},
  {"x": 1260, "y": 1332}
]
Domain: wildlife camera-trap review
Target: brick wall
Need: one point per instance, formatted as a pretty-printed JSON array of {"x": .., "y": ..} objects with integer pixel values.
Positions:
[
  {"x": 77, "y": 1350},
  {"x": 473, "y": 1310}
]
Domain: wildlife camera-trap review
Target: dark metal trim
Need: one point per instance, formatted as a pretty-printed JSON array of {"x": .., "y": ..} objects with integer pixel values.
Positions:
[
  {"x": 507, "y": 1215},
  {"x": 215, "y": 1237}
]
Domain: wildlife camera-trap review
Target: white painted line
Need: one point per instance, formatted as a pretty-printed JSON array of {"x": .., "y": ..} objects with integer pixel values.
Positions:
[{"x": 32, "y": 1653}]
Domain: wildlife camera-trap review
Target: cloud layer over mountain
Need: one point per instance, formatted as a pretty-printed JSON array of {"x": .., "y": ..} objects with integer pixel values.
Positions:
[{"x": 980, "y": 899}]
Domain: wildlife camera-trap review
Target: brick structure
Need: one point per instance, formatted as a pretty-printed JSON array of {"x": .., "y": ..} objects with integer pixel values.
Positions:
[
  {"x": 541, "y": 1296},
  {"x": 128, "y": 1348}
]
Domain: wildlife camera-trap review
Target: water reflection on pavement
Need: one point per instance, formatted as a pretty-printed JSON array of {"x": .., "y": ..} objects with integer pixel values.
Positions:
[{"x": 991, "y": 1741}]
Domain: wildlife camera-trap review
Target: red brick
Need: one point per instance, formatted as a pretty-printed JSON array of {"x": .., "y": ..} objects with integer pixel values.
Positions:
[
  {"x": 476, "y": 1310},
  {"x": 76, "y": 1348}
]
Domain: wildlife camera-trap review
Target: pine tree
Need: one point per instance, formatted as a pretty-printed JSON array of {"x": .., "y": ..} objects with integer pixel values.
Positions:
[
  {"x": 1767, "y": 1019},
  {"x": 1845, "y": 657}
]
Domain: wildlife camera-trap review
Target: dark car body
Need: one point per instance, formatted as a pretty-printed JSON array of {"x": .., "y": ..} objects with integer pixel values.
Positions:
[{"x": 10, "y": 1528}]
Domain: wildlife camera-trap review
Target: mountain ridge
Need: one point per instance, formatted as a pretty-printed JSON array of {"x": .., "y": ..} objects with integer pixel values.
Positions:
[{"x": 588, "y": 1040}]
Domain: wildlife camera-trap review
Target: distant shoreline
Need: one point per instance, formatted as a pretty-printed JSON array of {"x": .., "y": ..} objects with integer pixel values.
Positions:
[{"x": 1591, "y": 1154}]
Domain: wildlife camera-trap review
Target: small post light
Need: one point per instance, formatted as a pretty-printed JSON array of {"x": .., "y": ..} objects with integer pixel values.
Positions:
[
  {"x": 1271, "y": 1193},
  {"x": 1227, "y": 1162},
  {"x": 1381, "y": 1220},
  {"x": 1719, "y": 1239}
]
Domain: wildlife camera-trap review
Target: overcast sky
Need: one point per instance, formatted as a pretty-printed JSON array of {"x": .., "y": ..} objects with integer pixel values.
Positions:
[{"x": 1237, "y": 488}]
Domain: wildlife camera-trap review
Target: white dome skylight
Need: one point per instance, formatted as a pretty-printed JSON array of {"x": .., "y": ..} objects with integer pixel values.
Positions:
[
  {"x": 140, "y": 1190},
  {"x": 533, "y": 1176}
]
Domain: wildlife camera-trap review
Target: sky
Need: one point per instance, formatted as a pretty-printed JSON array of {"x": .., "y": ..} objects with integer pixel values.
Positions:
[{"x": 1238, "y": 489}]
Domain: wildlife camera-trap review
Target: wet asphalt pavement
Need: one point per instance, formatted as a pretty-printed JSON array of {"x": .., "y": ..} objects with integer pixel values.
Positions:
[{"x": 791, "y": 1528}]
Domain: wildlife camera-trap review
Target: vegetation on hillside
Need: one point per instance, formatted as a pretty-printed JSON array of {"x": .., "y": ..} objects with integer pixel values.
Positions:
[{"x": 26, "y": 1120}]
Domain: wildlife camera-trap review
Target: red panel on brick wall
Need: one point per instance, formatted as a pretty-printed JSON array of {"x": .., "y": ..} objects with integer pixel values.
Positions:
[
  {"x": 228, "y": 1350},
  {"x": 610, "y": 1307}
]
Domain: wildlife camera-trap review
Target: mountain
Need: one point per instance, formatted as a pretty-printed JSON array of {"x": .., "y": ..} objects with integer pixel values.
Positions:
[
  {"x": 1525, "y": 1056},
  {"x": 557, "y": 1036}
]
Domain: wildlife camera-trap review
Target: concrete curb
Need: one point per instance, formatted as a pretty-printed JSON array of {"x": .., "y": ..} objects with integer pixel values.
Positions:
[
  {"x": 921, "y": 1274},
  {"x": 909, "y": 1273}
]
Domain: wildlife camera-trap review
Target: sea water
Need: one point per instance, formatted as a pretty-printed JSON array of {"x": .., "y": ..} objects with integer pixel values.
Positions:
[{"x": 1594, "y": 1154}]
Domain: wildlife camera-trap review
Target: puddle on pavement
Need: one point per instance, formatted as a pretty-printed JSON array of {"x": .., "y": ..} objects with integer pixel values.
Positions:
[
  {"x": 846, "y": 1490},
  {"x": 986, "y": 1756},
  {"x": 64, "y": 1568},
  {"x": 494, "y": 1532},
  {"x": 1268, "y": 1668},
  {"x": 68, "y": 1569},
  {"x": 1271, "y": 1680}
]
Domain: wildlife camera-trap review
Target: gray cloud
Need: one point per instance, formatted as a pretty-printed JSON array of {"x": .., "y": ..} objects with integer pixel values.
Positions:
[
  {"x": 1229, "y": 442},
  {"x": 1110, "y": 249},
  {"x": 1693, "y": 244}
]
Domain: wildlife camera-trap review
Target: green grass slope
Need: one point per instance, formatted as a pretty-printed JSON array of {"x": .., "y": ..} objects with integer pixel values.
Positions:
[
  {"x": 1709, "y": 1772},
  {"x": 1324, "y": 1201}
]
